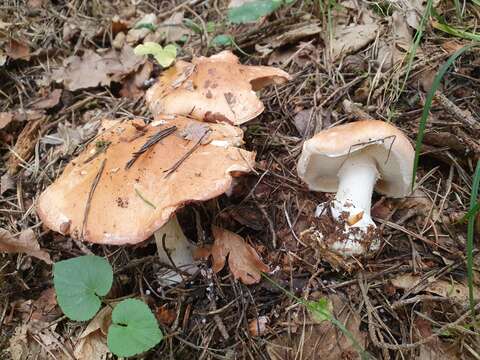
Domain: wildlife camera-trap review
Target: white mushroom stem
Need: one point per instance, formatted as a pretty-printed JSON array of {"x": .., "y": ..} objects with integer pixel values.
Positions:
[
  {"x": 179, "y": 248},
  {"x": 357, "y": 178}
]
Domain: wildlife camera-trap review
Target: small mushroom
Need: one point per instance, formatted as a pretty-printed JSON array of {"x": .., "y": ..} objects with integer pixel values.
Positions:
[
  {"x": 118, "y": 191},
  {"x": 352, "y": 160},
  {"x": 213, "y": 89}
]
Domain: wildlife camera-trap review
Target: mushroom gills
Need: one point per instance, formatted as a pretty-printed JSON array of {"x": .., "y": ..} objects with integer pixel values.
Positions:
[
  {"x": 357, "y": 177},
  {"x": 180, "y": 252}
]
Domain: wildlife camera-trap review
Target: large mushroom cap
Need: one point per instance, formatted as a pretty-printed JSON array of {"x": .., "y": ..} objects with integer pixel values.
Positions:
[
  {"x": 213, "y": 89},
  {"x": 128, "y": 205},
  {"x": 324, "y": 154}
]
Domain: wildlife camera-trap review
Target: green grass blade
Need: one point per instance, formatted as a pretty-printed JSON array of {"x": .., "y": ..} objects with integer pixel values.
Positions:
[
  {"x": 428, "y": 105},
  {"x": 470, "y": 232},
  {"x": 364, "y": 355},
  {"x": 472, "y": 212},
  {"x": 456, "y": 32},
  {"x": 416, "y": 43}
]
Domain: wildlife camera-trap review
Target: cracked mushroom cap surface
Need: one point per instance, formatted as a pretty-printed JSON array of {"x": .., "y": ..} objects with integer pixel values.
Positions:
[
  {"x": 323, "y": 155},
  {"x": 213, "y": 89},
  {"x": 128, "y": 205}
]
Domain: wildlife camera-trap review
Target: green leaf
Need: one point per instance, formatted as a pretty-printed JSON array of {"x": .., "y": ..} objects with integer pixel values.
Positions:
[
  {"x": 148, "y": 26},
  {"x": 134, "y": 329},
  {"x": 470, "y": 238},
  {"x": 456, "y": 32},
  {"x": 428, "y": 104},
  {"x": 211, "y": 26},
  {"x": 321, "y": 310},
  {"x": 78, "y": 283},
  {"x": 165, "y": 56},
  {"x": 252, "y": 11},
  {"x": 222, "y": 40},
  {"x": 192, "y": 25}
]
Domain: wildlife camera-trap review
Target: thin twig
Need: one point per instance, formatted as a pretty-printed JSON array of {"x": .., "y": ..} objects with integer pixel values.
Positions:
[
  {"x": 90, "y": 196},
  {"x": 152, "y": 140},
  {"x": 184, "y": 157}
]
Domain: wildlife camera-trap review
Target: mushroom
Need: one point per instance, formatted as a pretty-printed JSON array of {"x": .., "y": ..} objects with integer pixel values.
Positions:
[
  {"x": 352, "y": 160},
  {"x": 213, "y": 89},
  {"x": 120, "y": 191}
]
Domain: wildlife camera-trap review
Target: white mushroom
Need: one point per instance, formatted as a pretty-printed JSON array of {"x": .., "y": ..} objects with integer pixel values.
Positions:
[{"x": 353, "y": 160}]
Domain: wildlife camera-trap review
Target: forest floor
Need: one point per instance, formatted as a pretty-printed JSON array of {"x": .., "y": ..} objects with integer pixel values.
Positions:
[{"x": 348, "y": 60}]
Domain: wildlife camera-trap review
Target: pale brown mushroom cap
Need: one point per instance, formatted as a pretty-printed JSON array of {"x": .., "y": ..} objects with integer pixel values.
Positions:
[
  {"x": 213, "y": 89},
  {"x": 128, "y": 205},
  {"x": 323, "y": 155}
]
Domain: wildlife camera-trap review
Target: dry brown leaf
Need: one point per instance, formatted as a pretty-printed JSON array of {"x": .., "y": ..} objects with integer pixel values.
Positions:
[
  {"x": 44, "y": 309},
  {"x": 243, "y": 260},
  {"x": 134, "y": 35},
  {"x": 322, "y": 340},
  {"x": 92, "y": 70},
  {"x": 435, "y": 349},
  {"x": 49, "y": 101},
  {"x": 5, "y": 119},
  {"x": 6, "y": 183},
  {"x": 172, "y": 29},
  {"x": 202, "y": 252},
  {"x": 35, "y": 340},
  {"x": 25, "y": 144},
  {"x": 36, "y": 337},
  {"x": 451, "y": 46},
  {"x": 92, "y": 342},
  {"x": 36, "y": 4},
  {"x": 165, "y": 315},
  {"x": 17, "y": 50},
  {"x": 349, "y": 40},
  {"x": 26, "y": 243},
  {"x": 448, "y": 289},
  {"x": 133, "y": 85}
]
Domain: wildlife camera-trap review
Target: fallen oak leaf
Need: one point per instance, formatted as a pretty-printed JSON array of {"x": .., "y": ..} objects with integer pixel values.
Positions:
[
  {"x": 5, "y": 119},
  {"x": 26, "y": 243},
  {"x": 92, "y": 70},
  {"x": 17, "y": 50},
  {"x": 243, "y": 260},
  {"x": 48, "y": 101},
  {"x": 92, "y": 342}
]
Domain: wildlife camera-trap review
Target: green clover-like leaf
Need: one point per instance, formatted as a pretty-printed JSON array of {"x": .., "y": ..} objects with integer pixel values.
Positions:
[
  {"x": 252, "y": 11},
  {"x": 79, "y": 282},
  {"x": 222, "y": 40},
  {"x": 165, "y": 56},
  {"x": 134, "y": 329}
]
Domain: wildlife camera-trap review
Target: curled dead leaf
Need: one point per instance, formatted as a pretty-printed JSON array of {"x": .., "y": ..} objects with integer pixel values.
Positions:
[
  {"x": 48, "y": 101},
  {"x": 92, "y": 342},
  {"x": 449, "y": 289},
  {"x": 17, "y": 49},
  {"x": 26, "y": 242},
  {"x": 349, "y": 40},
  {"x": 92, "y": 70},
  {"x": 243, "y": 260}
]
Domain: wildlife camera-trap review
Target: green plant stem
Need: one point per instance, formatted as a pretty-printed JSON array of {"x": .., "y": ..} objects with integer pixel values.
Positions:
[
  {"x": 418, "y": 36},
  {"x": 428, "y": 105},
  {"x": 325, "y": 314},
  {"x": 470, "y": 236}
]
